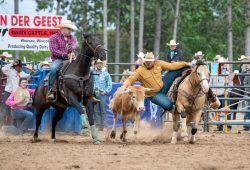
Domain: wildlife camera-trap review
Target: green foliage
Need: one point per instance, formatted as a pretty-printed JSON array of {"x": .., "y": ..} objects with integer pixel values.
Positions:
[{"x": 202, "y": 25}]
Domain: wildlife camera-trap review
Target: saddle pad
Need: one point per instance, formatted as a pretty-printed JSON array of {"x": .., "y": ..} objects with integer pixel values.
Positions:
[{"x": 172, "y": 93}]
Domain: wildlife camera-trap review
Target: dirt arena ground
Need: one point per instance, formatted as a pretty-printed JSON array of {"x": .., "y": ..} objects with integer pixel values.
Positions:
[{"x": 150, "y": 150}]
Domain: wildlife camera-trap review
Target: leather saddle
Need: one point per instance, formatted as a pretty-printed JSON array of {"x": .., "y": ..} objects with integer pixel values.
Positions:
[{"x": 173, "y": 92}]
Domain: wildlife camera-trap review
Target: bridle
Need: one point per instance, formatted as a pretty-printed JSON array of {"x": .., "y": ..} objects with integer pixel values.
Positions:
[
  {"x": 200, "y": 80},
  {"x": 198, "y": 77},
  {"x": 93, "y": 49}
]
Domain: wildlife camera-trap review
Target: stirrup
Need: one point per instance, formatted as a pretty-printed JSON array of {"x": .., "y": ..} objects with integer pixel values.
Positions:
[{"x": 55, "y": 96}]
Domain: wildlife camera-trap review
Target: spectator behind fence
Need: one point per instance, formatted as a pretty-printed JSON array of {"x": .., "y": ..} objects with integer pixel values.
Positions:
[
  {"x": 4, "y": 58},
  {"x": 219, "y": 81},
  {"x": 197, "y": 57},
  {"x": 247, "y": 91},
  {"x": 42, "y": 65},
  {"x": 244, "y": 67},
  {"x": 174, "y": 54},
  {"x": 139, "y": 60},
  {"x": 13, "y": 71},
  {"x": 102, "y": 86},
  {"x": 234, "y": 80},
  {"x": 19, "y": 100}
]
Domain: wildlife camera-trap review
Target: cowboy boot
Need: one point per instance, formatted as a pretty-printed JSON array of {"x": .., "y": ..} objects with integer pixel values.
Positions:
[
  {"x": 96, "y": 141},
  {"x": 51, "y": 94},
  {"x": 214, "y": 101},
  {"x": 84, "y": 130},
  {"x": 94, "y": 99}
]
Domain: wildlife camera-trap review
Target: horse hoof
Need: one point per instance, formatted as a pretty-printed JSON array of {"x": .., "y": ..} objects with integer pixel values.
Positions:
[
  {"x": 123, "y": 137},
  {"x": 184, "y": 134},
  {"x": 84, "y": 132},
  {"x": 192, "y": 140},
  {"x": 97, "y": 142},
  {"x": 52, "y": 140},
  {"x": 112, "y": 135},
  {"x": 35, "y": 139},
  {"x": 173, "y": 141},
  {"x": 185, "y": 139}
]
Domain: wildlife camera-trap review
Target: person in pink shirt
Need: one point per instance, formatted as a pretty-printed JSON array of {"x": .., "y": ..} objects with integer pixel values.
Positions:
[{"x": 19, "y": 101}]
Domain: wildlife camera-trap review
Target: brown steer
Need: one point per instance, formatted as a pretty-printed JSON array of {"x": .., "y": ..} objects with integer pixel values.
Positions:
[{"x": 129, "y": 103}]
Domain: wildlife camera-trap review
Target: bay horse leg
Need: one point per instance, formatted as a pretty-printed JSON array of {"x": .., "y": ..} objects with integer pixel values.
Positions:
[
  {"x": 57, "y": 117},
  {"x": 113, "y": 131},
  {"x": 196, "y": 117},
  {"x": 175, "y": 118},
  {"x": 39, "y": 115}
]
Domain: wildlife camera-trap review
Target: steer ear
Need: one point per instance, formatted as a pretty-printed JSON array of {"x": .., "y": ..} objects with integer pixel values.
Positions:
[{"x": 147, "y": 89}]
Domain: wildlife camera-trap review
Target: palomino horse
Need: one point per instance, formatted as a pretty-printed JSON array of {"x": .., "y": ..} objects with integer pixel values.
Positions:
[
  {"x": 190, "y": 101},
  {"x": 75, "y": 86}
]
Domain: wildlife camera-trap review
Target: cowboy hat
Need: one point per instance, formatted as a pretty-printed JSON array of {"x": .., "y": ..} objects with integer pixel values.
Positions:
[
  {"x": 242, "y": 57},
  {"x": 99, "y": 61},
  {"x": 221, "y": 59},
  {"x": 149, "y": 57},
  {"x": 172, "y": 42},
  {"x": 66, "y": 24},
  {"x": 199, "y": 53},
  {"x": 22, "y": 97},
  {"x": 141, "y": 55},
  {"x": 45, "y": 63},
  {"x": 217, "y": 57},
  {"x": 6, "y": 54}
]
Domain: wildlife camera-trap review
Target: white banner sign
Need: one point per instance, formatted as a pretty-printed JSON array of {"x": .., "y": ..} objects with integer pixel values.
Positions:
[{"x": 24, "y": 32}]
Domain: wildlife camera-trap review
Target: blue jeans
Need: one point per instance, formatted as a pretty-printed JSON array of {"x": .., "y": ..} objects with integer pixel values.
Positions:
[
  {"x": 22, "y": 119},
  {"x": 100, "y": 110},
  {"x": 247, "y": 117},
  {"x": 54, "y": 69},
  {"x": 160, "y": 98}
]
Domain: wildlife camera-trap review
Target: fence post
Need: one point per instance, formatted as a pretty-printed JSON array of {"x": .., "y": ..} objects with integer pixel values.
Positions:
[{"x": 205, "y": 119}]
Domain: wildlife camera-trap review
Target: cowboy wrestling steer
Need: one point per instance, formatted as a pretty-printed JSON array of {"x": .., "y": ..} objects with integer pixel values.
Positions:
[{"x": 129, "y": 102}]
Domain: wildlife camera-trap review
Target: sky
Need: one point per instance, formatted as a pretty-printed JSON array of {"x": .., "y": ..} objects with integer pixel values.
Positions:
[{"x": 25, "y": 7}]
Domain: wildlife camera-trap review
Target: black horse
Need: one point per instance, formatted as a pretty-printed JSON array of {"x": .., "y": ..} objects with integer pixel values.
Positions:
[{"x": 75, "y": 86}]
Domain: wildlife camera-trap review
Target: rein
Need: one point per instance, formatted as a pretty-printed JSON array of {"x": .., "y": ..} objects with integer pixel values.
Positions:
[
  {"x": 93, "y": 49},
  {"x": 192, "y": 97}
]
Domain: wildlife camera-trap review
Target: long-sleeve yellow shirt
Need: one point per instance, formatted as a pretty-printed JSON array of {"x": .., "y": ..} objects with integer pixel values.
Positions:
[{"x": 152, "y": 78}]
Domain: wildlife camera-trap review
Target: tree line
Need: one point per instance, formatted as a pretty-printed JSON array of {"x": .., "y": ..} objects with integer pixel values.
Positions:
[{"x": 127, "y": 27}]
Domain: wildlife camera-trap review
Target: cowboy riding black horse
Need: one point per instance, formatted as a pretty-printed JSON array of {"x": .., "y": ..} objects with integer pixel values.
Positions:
[{"x": 74, "y": 87}]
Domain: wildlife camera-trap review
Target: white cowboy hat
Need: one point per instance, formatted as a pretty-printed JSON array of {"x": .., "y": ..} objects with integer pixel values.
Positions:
[
  {"x": 217, "y": 57},
  {"x": 6, "y": 54},
  {"x": 172, "y": 42},
  {"x": 242, "y": 57},
  {"x": 66, "y": 24},
  {"x": 99, "y": 61},
  {"x": 141, "y": 55},
  {"x": 22, "y": 97},
  {"x": 221, "y": 59},
  {"x": 149, "y": 57},
  {"x": 199, "y": 53},
  {"x": 45, "y": 63}
]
